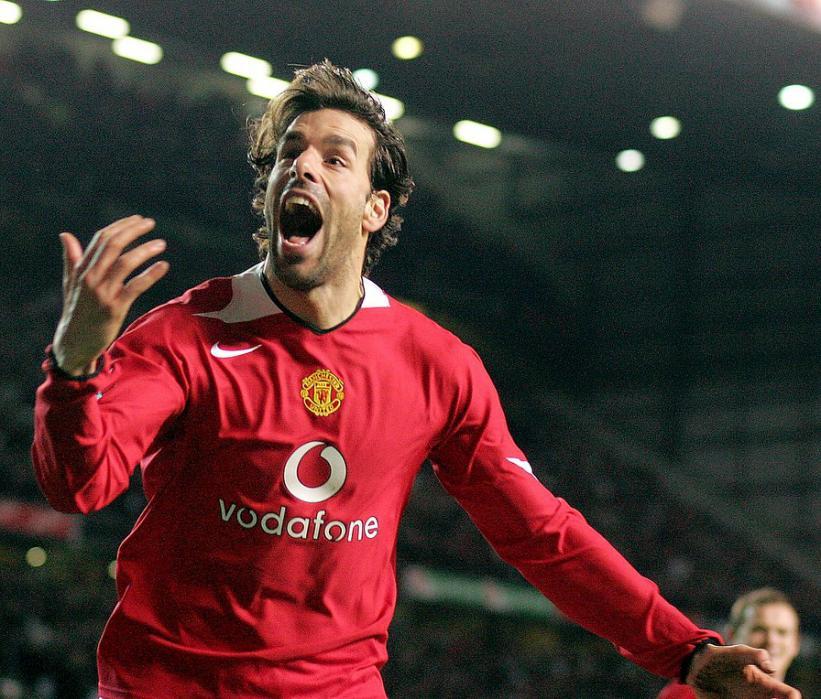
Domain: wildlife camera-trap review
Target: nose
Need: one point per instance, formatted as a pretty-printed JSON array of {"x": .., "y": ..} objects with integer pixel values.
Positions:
[{"x": 303, "y": 167}]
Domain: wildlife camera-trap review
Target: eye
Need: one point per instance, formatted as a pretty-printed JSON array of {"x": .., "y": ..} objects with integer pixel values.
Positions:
[
  {"x": 288, "y": 152},
  {"x": 335, "y": 160}
]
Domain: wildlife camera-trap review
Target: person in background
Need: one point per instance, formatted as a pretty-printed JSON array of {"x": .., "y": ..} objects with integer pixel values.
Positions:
[{"x": 764, "y": 618}]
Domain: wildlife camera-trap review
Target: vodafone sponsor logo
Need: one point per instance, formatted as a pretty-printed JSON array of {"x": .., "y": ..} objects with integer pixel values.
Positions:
[
  {"x": 320, "y": 493},
  {"x": 317, "y": 528}
]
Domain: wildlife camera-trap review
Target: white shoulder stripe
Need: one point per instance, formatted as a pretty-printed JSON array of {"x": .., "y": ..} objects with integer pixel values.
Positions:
[
  {"x": 374, "y": 296},
  {"x": 249, "y": 300}
]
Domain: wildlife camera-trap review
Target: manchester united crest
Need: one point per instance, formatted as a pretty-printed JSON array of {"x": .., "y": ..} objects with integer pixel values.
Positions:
[{"x": 322, "y": 392}]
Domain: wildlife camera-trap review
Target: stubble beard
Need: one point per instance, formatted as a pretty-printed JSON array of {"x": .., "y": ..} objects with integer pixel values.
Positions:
[{"x": 285, "y": 269}]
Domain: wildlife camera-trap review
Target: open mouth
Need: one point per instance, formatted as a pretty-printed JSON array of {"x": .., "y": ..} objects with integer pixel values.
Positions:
[{"x": 299, "y": 220}]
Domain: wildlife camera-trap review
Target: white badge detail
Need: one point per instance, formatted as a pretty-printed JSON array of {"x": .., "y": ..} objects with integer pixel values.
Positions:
[
  {"x": 221, "y": 353},
  {"x": 330, "y": 487},
  {"x": 521, "y": 463}
]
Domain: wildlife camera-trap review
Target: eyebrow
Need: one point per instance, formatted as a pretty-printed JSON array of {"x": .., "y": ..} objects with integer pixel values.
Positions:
[{"x": 333, "y": 140}]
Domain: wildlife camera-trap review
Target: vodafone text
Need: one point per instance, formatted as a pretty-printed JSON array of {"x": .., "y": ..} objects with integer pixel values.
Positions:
[{"x": 314, "y": 528}]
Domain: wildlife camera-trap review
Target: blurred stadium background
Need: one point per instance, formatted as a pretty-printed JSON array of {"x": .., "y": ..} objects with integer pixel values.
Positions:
[{"x": 647, "y": 301}]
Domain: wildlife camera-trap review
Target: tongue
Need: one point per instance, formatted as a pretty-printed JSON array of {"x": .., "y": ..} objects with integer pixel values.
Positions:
[{"x": 298, "y": 239}]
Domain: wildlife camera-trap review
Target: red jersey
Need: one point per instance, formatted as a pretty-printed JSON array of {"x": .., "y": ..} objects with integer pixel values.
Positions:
[
  {"x": 277, "y": 460},
  {"x": 676, "y": 690}
]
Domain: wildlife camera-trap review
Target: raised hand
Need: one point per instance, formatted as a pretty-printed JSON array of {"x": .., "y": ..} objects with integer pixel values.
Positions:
[
  {"x": 96, "y": 295},
  {"x": 736, "y": 672}
]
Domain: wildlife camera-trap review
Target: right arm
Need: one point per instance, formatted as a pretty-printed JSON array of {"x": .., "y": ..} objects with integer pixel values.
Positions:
[{"x": 98, "y": 412}]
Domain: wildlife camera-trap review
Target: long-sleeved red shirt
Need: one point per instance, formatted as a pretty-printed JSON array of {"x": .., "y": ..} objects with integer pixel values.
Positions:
[{"x": 277, "y": 460}]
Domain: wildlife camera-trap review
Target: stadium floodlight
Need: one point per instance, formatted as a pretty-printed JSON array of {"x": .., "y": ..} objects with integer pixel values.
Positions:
[
  {"x": 796, "y": 97},
  {"x": 266, "y": 87},
  {"x": 137, "y": 50},
  {"x": 245, "y": 66},
  {"x": 665, "y": 127},
  {"x": 367, "y": 78},
  {"x": 100, "y": 23},
  {"x": 407, "y": 48},
  {"x": 394, "y": 108},
  {"x": 477, "y": 134},
  {"x": 10, "y": 12},
  {"x": 630, "y": 160}
]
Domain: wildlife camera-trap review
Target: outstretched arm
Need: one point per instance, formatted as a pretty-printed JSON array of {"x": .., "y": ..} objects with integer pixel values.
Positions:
[
  {"x": 95, "y": 420},
  {"x": 736, "y": 672}
]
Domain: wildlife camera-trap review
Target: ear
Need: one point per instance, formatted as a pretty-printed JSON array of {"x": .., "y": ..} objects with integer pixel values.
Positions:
[{"x": 376, "y": 211}]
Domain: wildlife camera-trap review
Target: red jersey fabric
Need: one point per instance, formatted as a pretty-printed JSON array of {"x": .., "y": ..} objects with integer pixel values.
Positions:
[
  {"x": 675, "y": 690},
  {"x": 277, "y": 461}
]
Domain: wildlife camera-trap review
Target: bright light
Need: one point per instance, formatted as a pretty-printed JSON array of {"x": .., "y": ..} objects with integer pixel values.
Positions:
[
  {"x": 477, "y": 134},
  {"x": 266, "y": 87},
  {"x": 112, "y": 570},
  {"x": 796, "y": 97},
  {"x": 367, "y": 78},
  {"x": 100, "y": 23},
  {"x": 245, "y": 66},
  {"x": 665, "y": 127},
  {"x": 630, "y": 160},
  {"x": 137, "y": 50},
  {"x": 394, "y": 108},
  {"x": 407, "y": 48},
  {"x": 10, "y": 13},
  {"x": 36, "y": 557}
]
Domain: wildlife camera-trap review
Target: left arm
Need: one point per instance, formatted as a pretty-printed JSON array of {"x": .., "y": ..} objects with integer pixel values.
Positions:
[{"x": 548, "y": 541}]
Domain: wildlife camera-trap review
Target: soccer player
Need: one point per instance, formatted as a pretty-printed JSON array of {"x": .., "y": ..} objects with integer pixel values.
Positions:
[
  {"x": 763, "y": 618},
  {"x": 279, "y": 418}
]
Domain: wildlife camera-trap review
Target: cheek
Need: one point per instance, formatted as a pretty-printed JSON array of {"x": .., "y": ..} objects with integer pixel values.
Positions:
[{"x": 271, "y": 195}]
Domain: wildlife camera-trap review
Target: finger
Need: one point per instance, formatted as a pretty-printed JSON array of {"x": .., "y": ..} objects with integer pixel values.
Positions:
[
  {"x": 115, "y": 240},
  {"x": 128, "y": 262},
  {"x": 756, "y": 656},
  {"x": 72, "y": 254},
  {"x": 144, "y": 281},
  {"x": 769, "y": 686},
  {"x": 102, "y": 238}
]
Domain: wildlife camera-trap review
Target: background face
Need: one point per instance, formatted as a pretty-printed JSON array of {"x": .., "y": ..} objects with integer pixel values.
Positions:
[{"x": 775, "y": 628}]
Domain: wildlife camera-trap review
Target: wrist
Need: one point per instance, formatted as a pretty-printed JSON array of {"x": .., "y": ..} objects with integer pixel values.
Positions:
[
  {"x": 89, "y": 371},
  {"x": 687, "y": 663}
]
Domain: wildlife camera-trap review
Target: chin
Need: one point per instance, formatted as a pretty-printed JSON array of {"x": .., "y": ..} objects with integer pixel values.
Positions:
[{"x": 292, "y": 277}]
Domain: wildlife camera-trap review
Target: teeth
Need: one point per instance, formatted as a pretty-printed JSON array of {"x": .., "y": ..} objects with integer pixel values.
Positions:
[{"x": 297, "y": 200}]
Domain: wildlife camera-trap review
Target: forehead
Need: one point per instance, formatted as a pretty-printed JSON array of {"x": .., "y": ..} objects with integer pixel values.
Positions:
[
  {"x": 775, "y": 614},
  {"x": 333, "y": 124}
]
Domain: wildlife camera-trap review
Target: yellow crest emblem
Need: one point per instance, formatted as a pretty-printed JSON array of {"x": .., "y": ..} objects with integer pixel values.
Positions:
[{"x": 322, "y": 392}]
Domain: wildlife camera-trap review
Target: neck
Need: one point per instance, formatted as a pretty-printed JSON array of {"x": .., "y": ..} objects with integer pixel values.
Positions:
[{"x": 324, "y": 306}]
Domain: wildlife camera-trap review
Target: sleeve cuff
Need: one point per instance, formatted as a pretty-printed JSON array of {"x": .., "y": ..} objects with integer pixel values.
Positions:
[
  {"x": 687, "y": 663},
  {"x": 50, "y": 365}
]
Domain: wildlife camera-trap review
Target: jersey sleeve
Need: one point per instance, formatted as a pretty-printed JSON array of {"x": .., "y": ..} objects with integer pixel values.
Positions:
[
  {"x": 675, "y": 690},
  {"x": 90, "y": 434},
  {"x": 548, "y": 541}
]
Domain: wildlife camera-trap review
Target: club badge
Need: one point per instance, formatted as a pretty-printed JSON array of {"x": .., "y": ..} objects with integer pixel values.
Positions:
[{"x": 322, "y": 392}]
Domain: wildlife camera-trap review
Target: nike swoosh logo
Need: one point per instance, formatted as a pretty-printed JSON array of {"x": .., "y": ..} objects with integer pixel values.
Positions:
[
  {"x": 221, "y": 353},
  {"x": 521, "y": 463}
]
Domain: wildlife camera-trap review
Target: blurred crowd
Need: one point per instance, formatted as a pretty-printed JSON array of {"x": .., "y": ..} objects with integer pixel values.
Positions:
[{"x": 80, "y": 147}]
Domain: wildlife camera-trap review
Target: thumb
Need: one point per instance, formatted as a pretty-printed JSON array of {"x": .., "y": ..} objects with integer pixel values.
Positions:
[{"x": 72, "y": 254}]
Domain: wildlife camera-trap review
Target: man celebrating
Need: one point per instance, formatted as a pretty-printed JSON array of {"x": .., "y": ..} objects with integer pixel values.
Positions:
[{"x": 279, "y": 418}]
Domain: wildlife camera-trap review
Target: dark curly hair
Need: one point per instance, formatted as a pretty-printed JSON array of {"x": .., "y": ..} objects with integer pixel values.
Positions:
[{"x": 326, "y": 86}]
